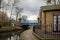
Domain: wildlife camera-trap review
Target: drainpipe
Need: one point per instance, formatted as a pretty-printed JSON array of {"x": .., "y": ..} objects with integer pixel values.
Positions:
[{"x": 45, "y": 22}]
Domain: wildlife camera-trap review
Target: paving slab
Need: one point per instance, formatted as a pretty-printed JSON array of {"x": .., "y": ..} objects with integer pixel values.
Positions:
[{"x": 28, "y": 35}]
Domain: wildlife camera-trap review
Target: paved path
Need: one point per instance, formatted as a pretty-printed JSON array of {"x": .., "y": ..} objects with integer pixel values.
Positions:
[{"x": 28, "y": 35}]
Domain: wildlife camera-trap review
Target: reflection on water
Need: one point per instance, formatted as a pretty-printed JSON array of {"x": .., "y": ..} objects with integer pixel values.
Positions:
[
  {"x": 15, "y": 37},
  {"x": 10, "y": 36}
]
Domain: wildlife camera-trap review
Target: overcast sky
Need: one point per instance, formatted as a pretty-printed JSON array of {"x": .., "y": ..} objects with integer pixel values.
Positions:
[{"x": 30, "y": 8}]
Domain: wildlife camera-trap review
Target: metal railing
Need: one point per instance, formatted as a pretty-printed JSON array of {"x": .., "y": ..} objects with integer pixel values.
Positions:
[{"x": 49, "y": 34}]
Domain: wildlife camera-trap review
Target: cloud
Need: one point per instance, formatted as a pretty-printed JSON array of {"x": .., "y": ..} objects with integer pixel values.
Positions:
[
  {"x": 31, "y": 7},
  {"x": 32, "y": 17}
]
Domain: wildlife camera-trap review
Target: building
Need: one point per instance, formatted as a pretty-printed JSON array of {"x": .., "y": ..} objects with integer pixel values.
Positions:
[
  {"x": 0, "y": 3},
  {"x": 50, "y": 21}
]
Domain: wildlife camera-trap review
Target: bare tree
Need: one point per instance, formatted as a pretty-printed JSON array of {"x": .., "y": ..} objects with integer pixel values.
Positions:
[
  {"x": 4, "y": 7},
  {"x": 13, "y": 5},
  {"x": 53, "y": 2},
  {"x": 56, "y": 2},
  {"x": 12, "y": 8},
  {"x": 18, "y": 10},
  {"x": 59, "y": 2}
]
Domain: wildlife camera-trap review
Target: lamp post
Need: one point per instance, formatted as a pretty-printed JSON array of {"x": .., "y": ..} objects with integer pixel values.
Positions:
[
  {"x": 38, "y": 23},
  {"x": 19, "y": 21}
]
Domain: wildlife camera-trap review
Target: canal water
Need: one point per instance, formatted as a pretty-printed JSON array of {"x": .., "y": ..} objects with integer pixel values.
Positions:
[{"x": 10, "y": 35}]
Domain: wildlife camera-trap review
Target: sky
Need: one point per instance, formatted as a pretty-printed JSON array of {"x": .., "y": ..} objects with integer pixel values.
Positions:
[{"x": 31, "y": 8}]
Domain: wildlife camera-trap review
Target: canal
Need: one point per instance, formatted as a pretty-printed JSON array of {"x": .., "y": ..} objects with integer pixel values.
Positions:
[
  {"x": 15, "y": 35},
  {"x": 18, "y": 35}
]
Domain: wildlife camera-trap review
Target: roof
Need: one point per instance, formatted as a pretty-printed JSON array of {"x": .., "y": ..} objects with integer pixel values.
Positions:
[
  {"x": 28, "y": 22},
  {"x": 53, "y": 7}
]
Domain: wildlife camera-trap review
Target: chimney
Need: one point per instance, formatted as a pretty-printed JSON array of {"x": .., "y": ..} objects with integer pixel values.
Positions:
[{"x": 48, "y": 1}]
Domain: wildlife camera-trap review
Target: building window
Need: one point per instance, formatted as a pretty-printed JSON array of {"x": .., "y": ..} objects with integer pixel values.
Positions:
[{"x": 56, "y": 23}]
